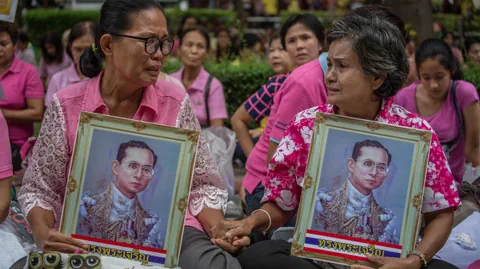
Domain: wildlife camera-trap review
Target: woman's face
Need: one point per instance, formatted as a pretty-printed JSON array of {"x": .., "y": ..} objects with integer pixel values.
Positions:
[
  {"x": 189, "y": 23},
  {"x": 437, "y": 29},
  {"x": 278, "y": 58},
  {"x": 347, "y": 85},
  {"x": 474, "y": 53},
  {"x": 301, "y": 44},
  {"x": 194, "y": 49},
  {"x": 435, "y": 78},
  {"x": 79, "y": 45},
  {"x": 223, "y": 40},
  {"x": 129, "y": 58},
  {"x": 50, "y": 48},
  {"x": 6, "y": 48}
]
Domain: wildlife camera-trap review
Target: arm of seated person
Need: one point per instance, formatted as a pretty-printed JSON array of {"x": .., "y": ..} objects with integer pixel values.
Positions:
[
  {"x": 33, "y": 111},
  {"x": 472, "y": 133},
  {"x": 240, "y": 121},
  {"x": 5, "y": 187}
]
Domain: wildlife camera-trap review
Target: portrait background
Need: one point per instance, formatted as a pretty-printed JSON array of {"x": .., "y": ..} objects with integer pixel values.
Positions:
[
  {"x": 158, "y": 194},
  {"x": 393, "y": 191}
]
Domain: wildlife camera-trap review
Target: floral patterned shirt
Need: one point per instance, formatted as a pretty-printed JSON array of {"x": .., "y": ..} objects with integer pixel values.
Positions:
[{"x": 287, "y": 168}]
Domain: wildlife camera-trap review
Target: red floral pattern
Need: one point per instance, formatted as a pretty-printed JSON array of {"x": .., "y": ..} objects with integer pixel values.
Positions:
[{"x": 287, "y": 168}]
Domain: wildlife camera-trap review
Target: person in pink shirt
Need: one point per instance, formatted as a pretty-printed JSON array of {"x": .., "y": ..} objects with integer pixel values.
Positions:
[
  {"x": 133, "y": 40},
  {"x": 210, "y": 110},
  {"x": 448, "y": 38},
  {"x": 449, "y": 104},
  {"x": 6, "y": 170},
  {"x": 23, "y": 89},
  {"x": 81, "y": 37},
  {"x": 54, "y": 58},
  {"x": 302, "y": 37},
  {"x": 188, "y": 21}
]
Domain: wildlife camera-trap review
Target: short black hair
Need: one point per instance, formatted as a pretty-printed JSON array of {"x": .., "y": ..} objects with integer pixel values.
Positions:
[
  {"x": 202, "y": 30},
  {"x": 23, "y": 37},
  {"x": 11, "y": 29},
  {"x": 182, "y": 23},
  {"x": 435, "y": 48},
  {"x": 369, "y": 143},
  {"x": 310, "y": 21},
  {"x": 55, "y": 39},
  {"x": 134, "y": 144}
]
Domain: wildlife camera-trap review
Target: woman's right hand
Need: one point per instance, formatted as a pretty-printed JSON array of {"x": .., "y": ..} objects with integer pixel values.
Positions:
[{"x": 51, "y": 240}]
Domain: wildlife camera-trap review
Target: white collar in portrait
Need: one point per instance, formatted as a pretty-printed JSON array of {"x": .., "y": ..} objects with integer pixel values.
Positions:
[{"x": 122, "y": 207}]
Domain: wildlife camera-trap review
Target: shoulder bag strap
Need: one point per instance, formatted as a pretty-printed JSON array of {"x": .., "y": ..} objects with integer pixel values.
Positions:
[
  {"x": 207, "y": 94},
  {"x": 458, "y": 112}
]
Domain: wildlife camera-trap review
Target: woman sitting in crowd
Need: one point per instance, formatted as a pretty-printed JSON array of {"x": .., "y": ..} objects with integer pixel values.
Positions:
[
  {"x": 473, "y": 51},
  {"x": 133, "y": 40},
  {"x": 205, "y": 91},
  {"x": 54, "y": 59},
  {"x": 449, "y": 104},
  {"x": 259, "y": 103},
  {"x": 24, "y": 49},
  {"x": 302, "y": 37},
  {"x": 81, "y": 37},
  {"x": 367, "y": 65},
  {"x": 449, "y": 39},
  {"x": 188, "y": 21},
  {"x": 225, "y": 48},
  {"x": 6, "y": 169},
  {"x": 23, "y": 102}
]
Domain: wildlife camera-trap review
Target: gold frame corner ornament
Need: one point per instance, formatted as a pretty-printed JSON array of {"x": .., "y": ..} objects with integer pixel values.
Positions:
[
  {"x": 139, "y": 125},
  {"x": 319, "y": 119},
  {"x": 417, "y": 200},
  {"x": 182, "y": 204},
  {"x": 71, "y": 185},
  {"x": 308, "y": 181},
  {"x": 373, "y": 126},
  {"x": 297, "y": 249}
]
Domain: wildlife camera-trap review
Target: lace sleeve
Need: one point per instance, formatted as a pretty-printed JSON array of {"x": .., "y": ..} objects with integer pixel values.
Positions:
[
  {"x": 44, "y": 181},
  {"x": 208, "y": 189}
]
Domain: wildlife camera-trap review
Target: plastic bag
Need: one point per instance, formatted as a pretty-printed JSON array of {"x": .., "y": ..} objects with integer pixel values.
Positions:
[
  {"x": 222, "y": 142},
  {"x": 471, "y": 173}
]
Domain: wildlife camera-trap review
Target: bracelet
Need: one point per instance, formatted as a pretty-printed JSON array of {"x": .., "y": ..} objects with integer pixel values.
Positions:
[
  {"x": 421, "y": 256},
  {"x": 269, "y": 218}
]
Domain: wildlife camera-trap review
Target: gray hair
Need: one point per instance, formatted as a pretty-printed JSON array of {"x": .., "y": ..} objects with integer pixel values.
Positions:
[{"x": 379, "y": 47}]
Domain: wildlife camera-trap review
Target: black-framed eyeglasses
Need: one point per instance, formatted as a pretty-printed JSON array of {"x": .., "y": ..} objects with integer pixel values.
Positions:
[{"x": 152, "y": 44}]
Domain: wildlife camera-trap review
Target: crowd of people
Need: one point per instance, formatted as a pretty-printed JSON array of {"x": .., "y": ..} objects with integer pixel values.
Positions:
[{"x": 365, "y": 66}]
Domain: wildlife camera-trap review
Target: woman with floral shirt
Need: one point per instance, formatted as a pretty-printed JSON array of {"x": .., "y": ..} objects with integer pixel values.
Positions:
[{"x": 367, "y": 66}]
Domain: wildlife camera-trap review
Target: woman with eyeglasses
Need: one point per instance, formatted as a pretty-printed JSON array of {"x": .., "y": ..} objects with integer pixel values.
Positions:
[
  {"x": 205, "y": 91},
  {"x": 81, "y": 37},
  {"x": 133, "y": 41}
]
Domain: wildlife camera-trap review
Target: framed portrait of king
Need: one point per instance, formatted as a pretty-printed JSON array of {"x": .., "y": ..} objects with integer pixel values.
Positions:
[
  {"x": 128, "y": 186},
  {"x": 362, "y": 192}
]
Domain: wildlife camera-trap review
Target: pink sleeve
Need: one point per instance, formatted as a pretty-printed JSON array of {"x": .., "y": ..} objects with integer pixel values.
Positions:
[
  {"x": 216, "y": 101},
  {"x": 292, "y": 99},
  {"x": 5, "y": 152},
  {"x": 51, "y": 90},
  {"x": 466, "y": 94},
  {"x": 440, "y": 188},
  {"x": 45, "y": 180},
  {"x": 282, "y": 186},
  {"x": 33, "y": 86}
]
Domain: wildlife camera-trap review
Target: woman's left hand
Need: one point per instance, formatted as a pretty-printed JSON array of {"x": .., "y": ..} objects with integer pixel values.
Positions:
[
  {"x": 232, "y": 248},
  {"x": 391, "y": 263}
]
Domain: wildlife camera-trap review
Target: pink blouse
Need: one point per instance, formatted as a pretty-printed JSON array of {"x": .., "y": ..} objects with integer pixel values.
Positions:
[
  {"x": 5, "y": 152},
  {"x": 163, "y": 103},
  {"x": 61, "y": 80},
  {"x": 48, "y": 70},
  {"x": 287, "y": 168}
]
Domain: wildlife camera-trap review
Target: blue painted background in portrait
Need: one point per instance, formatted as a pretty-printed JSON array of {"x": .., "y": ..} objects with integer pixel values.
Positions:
[
  {"x": 158, "y": 194},
  {"x": 392, "y": 193}
]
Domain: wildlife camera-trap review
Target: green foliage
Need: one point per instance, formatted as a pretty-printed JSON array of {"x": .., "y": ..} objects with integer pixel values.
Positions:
[
  {"x": 239, "y": 80},
  {"x": 39, "y": 21},
  {"x": 451, "y": 22},
  {"x": 472, "y": 75}
]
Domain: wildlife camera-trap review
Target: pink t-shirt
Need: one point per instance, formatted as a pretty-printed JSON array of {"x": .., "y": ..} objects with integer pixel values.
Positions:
[
  {"x": 445, "y": 122},
  {"x": 48, "y": 70},
  {"x": 216, "y": 99},
  {"x": 20, "y": 82},
  {"x": 61, "y": 80},
  {"x": 303, "y": 88},
  {"x": 5, "y": 152},
  {"x": 164, "y": 103}
]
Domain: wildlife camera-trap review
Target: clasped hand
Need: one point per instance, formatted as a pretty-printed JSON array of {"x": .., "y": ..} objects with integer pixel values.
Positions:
[{"x": 232, "y": 236}]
